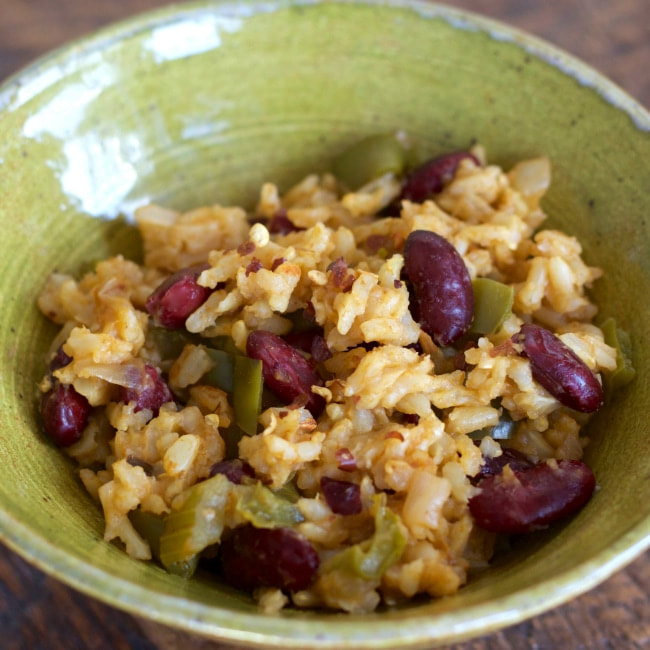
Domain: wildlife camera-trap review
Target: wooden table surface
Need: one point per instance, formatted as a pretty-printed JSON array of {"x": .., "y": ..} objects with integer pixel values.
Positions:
[{"x": 39, "y": 613}]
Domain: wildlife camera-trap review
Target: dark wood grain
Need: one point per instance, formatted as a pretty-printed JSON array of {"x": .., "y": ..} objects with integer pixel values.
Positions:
[{"x": 38, "y": 612}]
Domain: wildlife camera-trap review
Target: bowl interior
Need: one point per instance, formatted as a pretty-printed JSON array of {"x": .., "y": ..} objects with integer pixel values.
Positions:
[{"x": 201, "y": 104}]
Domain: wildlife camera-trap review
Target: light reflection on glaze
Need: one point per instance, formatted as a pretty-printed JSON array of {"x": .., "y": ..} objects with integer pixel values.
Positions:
[
  {"x": 202, "y": 128},
  {"x": 62, "y": 115},
  {"x": 97, "y": 171},
  {"x": 190, "y": 36}
]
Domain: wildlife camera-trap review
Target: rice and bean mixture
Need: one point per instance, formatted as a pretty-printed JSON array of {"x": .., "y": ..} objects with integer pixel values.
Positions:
[{"x": 341, "y": 398}]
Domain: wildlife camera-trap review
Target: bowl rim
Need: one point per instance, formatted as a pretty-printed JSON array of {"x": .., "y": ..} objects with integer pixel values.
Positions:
[{"x": 263, "y": 631}]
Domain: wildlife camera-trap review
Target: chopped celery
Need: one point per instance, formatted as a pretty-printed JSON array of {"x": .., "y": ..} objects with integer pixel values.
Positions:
[
  {"x": 368, "y": 159},
  {"x": 200, "y": 520},
  {"x": 371, "y": 558},
  {"x": 620, "y": 340},
  {"x": 264, "y": 509},
  {"x": 492, "y": 305},
  {"x": 247, "y": 393},
  {"x": 198, "y": 523},
  {"x": 151, "y": 527}
]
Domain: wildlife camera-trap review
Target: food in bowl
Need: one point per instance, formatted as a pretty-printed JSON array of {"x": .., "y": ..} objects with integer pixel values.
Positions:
[{"x": 343, "y": 397}]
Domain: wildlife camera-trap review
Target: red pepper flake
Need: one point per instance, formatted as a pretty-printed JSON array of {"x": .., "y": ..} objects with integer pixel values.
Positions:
[
  {"x": 319, "y": 350},
  {"x": 254, "y": 266},
  {"x": 505, "y": 349},
  {"x": 394, "y": 434},
  {"x": 277, "y": 262},
  {"x": 397, "y": 283},
  {"x": 377, "y": 242},
  {"x": 246, "y": 248},
  {"x": 283, "y": 414},
  {"x": 345, "y": 460},
  {"x": 341, "y": 279},
  {"x": 309, "y": 312},
  {"x": 280, "y": 224}
]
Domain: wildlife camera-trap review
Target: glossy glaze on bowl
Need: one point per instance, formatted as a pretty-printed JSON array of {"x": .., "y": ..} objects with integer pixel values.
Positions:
[{"x": 201, "y": 103}]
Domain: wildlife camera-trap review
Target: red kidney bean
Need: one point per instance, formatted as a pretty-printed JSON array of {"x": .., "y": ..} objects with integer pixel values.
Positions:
[
  {"x": 234, "y": 470},
  {"x": 431, "y": 176},
  {"x": 441, "y": 284},
  {"x": 286, "y": 372},
  {"x": 151, "y": 394},
  {"x": 494, "y": 465},
  {"x": 268, "y": 557},
  {"x": 177, "y": 297},
  {"x": 310, "y": 341},
  {"x": 532, "y": 498},
  {"x": 343, "y": 497},
  {"x": 559, "y": 370},
  {"x": 64, "y": 413},
  {"x": 60, "y": 360}
]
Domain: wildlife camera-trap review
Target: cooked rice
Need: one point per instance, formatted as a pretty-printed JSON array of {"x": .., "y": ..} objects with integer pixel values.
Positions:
[{"x": 490, "y": 216}]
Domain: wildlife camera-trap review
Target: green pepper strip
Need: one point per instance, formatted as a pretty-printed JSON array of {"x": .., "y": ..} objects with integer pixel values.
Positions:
[
  {"x": 222, "y": 374},
  {"x": 241, "y": 377},
  {"x": 368, "y": 159},
  {"x": 168, "y": 343},
  {"x": 372, "y": 558},
  {"x": 492, "y": 305},
  {"x": 247, "y": 393},
  {"x": 619, "y": 339}
]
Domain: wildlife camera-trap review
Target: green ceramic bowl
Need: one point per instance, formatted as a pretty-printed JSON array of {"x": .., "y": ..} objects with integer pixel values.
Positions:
[{"x": 202, "y": 103}]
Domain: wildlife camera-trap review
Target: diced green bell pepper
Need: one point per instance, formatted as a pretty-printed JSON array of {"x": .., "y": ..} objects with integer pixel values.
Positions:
[
  {"x": 240, "y": 377},
  {"x": 368, "y": 159},
  {"x": 169, "y": 343},
  {"x": 492, "y": 305},
  {"x": 223, "y": 372},
  {"x": 247, "y": 393},
  {"x": 620, "y": 340}
]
